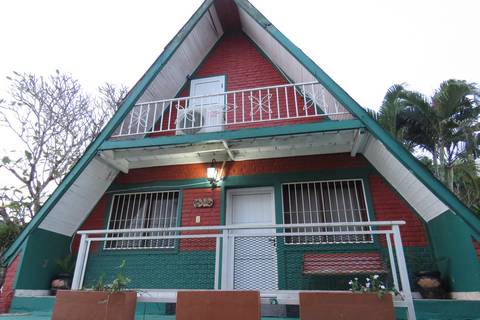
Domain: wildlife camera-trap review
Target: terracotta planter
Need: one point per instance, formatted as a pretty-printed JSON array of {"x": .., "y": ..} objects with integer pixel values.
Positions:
[
  {"x": 218, "y": 305},
  {"x": 94, "y": 305},
  {"x": 345, "y": 306}
]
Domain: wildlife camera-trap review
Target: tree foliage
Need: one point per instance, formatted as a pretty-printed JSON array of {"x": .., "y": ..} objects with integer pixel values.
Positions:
[
  {"x": 446, "y": 125},
  {"x": 54, "y": 120}
]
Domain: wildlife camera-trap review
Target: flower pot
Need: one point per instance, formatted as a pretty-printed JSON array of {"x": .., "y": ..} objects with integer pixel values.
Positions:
[
  {"x": 345, "y": 306},
  {"x": 62, "y": 281},
  {"x": 98, "y": 305},
  {"x": 430, "y": 285}
]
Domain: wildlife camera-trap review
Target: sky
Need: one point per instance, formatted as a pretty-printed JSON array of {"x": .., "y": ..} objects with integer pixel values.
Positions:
[{"x": 365, "y": 46}]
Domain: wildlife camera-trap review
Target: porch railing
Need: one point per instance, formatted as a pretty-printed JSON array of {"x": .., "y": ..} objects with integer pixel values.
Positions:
[
  {"x": 245, "y": 257},
  {"x": 232, "y": 110}
]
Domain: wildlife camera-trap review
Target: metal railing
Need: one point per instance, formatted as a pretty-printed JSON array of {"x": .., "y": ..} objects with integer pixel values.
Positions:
[
  {"x": 232, "y": 109},
  {"x": 244, "y": 257}
]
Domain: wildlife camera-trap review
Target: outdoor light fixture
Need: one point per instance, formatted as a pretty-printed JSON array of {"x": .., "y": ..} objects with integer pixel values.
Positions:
[{"x": 212, "y": 174}]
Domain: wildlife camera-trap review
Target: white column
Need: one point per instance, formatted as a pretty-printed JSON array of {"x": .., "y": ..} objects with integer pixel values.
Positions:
[
  {"x": 81, "y": 257},
  {"x": 402, "y": 268},
  {"x": 217, "y": 263}
]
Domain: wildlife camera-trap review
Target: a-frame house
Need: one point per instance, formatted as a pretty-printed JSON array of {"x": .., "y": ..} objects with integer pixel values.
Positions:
[{"x": 234, "y": 131}]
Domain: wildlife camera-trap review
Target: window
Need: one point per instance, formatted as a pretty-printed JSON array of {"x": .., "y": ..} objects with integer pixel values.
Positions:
[
  {"x": 325, "y": 202},
  {"x": 143, "y": 210}
]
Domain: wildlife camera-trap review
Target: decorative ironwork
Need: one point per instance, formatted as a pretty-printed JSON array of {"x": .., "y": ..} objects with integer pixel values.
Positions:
[{"x": 203, "y": 203}]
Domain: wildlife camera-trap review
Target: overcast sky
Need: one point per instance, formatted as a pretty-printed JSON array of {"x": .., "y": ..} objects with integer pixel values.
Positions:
[{"x": 365, "y": 46}]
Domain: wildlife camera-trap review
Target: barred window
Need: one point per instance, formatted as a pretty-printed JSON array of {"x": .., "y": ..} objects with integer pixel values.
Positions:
[
  {"x": 143, "y": 210},
  {"x": 325, "y": 202}
]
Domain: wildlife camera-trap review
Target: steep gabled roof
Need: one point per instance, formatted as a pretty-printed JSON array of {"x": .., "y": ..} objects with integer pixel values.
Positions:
[{"x": 259, "y": 29}]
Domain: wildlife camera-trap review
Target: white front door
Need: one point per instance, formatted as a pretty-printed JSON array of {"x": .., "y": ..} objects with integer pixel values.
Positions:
[
  {"x": 251, "y": 261},
  {"x": 207, "y": 114}
]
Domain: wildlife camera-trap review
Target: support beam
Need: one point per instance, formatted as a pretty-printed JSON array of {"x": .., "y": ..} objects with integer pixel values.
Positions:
[
  {"x": 169, "y": 151},
  {"x": 359, "y": 142},
  {"x": 229, "y": 152},
  {"x": 107, "y": 157}
]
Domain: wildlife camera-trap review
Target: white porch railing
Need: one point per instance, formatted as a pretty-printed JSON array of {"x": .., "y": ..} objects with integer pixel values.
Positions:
[
  {"x": 232, "y": 110},
  {"x": 236, "y": 247}
]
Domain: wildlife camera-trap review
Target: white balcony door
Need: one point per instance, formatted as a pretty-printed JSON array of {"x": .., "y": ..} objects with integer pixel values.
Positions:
[
  {"x": 251, "y": 262},
  {"x": 209, "y": 109}
]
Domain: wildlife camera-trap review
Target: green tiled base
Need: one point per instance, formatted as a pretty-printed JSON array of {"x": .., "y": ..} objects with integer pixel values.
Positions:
[{"x": 156, "y": 269}]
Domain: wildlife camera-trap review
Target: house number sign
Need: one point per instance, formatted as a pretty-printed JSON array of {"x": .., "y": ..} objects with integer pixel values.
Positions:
[{"x": 203, "y": 203}]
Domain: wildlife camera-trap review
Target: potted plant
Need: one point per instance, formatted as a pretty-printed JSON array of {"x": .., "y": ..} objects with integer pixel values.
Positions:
[
  {"x": 103, "y": 302},
  {"x": 63, "y": 280},
  {"x": 430, "y": 285}
]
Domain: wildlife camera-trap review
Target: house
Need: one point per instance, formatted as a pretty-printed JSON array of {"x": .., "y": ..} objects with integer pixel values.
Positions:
[{"x": 235, "y": 162}]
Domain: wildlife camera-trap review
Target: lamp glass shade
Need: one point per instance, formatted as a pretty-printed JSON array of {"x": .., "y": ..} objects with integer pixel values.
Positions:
[{"x": 212, "y": 173}]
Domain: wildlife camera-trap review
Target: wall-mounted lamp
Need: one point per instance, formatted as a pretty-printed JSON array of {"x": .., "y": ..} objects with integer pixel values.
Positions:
[{"x": 212, "y": 174}]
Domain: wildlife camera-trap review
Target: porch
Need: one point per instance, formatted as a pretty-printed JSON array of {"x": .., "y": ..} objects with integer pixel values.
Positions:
[{"x": 271, "y": 258}]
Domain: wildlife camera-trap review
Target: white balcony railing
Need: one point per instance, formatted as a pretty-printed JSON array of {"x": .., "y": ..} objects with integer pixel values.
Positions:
[
  {"x": 308, "y": 101},
  {"x": 239, "y": 257}
]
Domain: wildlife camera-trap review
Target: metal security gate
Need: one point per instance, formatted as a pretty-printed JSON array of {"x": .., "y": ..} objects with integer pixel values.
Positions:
[{"x": 252, "y": 261}]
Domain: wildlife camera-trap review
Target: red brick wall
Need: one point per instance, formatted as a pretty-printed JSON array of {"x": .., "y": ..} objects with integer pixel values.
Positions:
[
  {"x": 95, "y": 221},
  {"x": 250, "y": 167},
  {"x": 245, "y": 67},
  {"x": 208, "y": 217},
  {"x": 7, "y": 291},
  {"x": 388, "y": 205}
]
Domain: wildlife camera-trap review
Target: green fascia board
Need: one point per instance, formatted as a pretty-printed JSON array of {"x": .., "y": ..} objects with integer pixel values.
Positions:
[
  {"x": 322, "y": 126},
  {"x": 121, "y": 113},
  {"x": 402, "y": 155}
]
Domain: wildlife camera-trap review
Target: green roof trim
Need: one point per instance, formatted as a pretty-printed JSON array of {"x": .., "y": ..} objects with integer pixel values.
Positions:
[
  {"x": 122, "y": 112},
  {"x": 400, "y": 153},
  {"x": 322, "y": 126}
]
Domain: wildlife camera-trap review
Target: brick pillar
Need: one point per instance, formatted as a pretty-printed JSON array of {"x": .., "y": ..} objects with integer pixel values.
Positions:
[{"x": 6, "y": 294}]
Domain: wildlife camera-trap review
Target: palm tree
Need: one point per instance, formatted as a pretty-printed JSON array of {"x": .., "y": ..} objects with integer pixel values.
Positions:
[
  {"x": 444, "y": 124},
  {"x": 466, "y": 182},
  {"x": 390, "y": 113}
]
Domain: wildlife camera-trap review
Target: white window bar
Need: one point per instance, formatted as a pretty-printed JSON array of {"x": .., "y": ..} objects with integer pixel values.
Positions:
[
  {"x": 138, "y": 211},
  {"x": 330, "y": 201}
]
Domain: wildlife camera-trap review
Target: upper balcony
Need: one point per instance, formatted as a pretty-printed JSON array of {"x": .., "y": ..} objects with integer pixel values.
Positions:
[{"x": 232, "y": 110}]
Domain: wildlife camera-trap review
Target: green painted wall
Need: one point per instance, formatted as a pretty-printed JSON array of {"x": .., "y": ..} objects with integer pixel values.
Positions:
[
  {"x": 154, "y": 269},
  {"x": 42, "y": 250},
  {"x": 452, "y": 244}
]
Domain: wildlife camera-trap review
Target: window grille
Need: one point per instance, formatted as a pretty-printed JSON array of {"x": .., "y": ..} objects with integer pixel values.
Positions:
[
  {"x": 325, "y": 202},
  {"x": 143, "y": 210}
]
